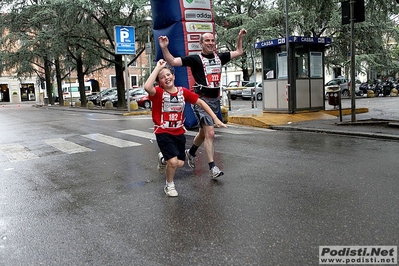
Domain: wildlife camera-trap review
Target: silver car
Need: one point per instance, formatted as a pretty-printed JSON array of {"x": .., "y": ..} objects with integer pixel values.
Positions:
[
  {"x": 257, "y": 93},
  {"x": 235, "y": 88},
  {"x": 344, "y": 84}
]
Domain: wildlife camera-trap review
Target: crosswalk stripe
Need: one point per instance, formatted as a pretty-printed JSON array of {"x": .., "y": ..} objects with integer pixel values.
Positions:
[
  {"x": 66, "y": 146},
  {"x": 120, "y": 143},
  {"x": 17, "y": 152},
  {"x": 138, "y": 133},
  {"x": 218, "y": 132}
]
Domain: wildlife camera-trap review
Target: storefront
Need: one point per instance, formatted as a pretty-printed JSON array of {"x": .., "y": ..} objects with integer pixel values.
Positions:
[
  {"x": 4, "y": 93},
  {"x": 27, "y": 91},
  {"x": 15, "y": 91}
]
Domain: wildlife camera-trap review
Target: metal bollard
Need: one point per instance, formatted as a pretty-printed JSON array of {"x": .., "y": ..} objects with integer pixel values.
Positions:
[{"x": 229, "y": 100}]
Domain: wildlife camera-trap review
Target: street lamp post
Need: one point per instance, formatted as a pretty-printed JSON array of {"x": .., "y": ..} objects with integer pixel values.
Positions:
[
  {"x": 291, "y": 106},
  {"x": 70, "y": 84},
  {"x": 148, "y": 50},
  {"x": 68, "y": 60}
]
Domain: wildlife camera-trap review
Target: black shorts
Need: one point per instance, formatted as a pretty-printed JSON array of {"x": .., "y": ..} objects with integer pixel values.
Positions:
[{"x": 171, "y": 145}]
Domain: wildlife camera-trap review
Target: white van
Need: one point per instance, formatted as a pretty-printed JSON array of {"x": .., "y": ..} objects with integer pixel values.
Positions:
[{"x": 67, "y": 88}]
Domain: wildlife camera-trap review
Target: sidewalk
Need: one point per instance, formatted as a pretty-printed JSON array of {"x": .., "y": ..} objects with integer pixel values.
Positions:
[{"x": 375, "y": 118}]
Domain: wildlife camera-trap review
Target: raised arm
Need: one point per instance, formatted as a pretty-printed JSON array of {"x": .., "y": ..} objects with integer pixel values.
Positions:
[
  {"x": 149, "y": 84},
  {"x": 238, "y": 52},
  {"x": 173, "y": 61}
]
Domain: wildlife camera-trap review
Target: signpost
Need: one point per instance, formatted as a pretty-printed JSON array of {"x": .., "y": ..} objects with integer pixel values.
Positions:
[
  {"x": 352, "y": 12},
  {"x": 125, "y": 45}
]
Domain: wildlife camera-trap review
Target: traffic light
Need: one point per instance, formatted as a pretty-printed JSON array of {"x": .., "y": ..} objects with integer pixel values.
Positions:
[{"x": 359, "y": 11}]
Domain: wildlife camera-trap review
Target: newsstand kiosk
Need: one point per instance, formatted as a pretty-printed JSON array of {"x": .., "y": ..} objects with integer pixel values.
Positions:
[{"x": 295, "y": 83}]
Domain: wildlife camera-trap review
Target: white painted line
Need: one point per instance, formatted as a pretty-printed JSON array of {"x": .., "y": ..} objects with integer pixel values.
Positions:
[
  {"x": 121, "y": 119},
  {"x": 232, "y": 131},
  {"x": 138, "y": 133},
  {"x": 192, "y": 133},
  {"x": 17, "y": 152},
  {"x": 120, "y": 143},
  {"x": 67, "y": 146}
]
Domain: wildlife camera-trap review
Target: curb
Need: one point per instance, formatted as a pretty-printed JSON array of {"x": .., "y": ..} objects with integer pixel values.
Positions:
[
  {"x": 339, "y": 132},
  {"x": 247, "y": 121},
  {"x": 346, "y": 111},
  {"x": 138, "y": 112}
]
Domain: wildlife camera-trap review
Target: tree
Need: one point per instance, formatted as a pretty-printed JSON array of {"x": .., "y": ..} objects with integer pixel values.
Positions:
[
  {"x": 266, "y": 20},
  {"x": 80, "y": 30},
  {"x": 230, "y": 17},
  {"x": 105, "y": 15}
]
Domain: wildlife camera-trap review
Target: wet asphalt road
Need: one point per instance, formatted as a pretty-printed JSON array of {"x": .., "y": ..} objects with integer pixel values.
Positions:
[{"x": 282, "y": 196}]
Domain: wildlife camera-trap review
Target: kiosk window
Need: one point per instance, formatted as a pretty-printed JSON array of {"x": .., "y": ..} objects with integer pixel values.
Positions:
[
  {"x": 269, "y": 65},
  {"x": 282, "y": 65},
  {"x": 302, "y": 64},
  {"x": 316, "y": 65}
]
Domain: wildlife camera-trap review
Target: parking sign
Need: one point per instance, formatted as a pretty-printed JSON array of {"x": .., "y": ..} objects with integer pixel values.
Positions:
[{"x": 125, "y": 40}]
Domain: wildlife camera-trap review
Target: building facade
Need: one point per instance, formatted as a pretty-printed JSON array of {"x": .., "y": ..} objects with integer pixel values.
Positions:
[{"x": 14, "y": 90}]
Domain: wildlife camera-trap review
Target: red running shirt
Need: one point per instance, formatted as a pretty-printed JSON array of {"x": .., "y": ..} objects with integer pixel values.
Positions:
[{"x": 168, "y": 110}]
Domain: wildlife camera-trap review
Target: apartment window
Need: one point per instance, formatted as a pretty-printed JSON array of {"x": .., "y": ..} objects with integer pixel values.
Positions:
[
  {"x": 133, "y": 81},
  {"x": 113, "y": 81}
]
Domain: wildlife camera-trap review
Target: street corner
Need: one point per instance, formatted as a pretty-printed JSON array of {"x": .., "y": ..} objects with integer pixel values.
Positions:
[
  {"x": 138, "y": 112},
  {"x": 346, "y": 111},
  {"x": 248, "y": 121},
  {"x": 270, "y": 119}
]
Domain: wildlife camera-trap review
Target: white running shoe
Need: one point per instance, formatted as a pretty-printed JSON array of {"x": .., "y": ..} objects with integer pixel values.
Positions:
[
  {"x": 171, "y": 191},
  {"x": 161, "y": 166},
  {"x": 190, "y": 159},
  {"x": 215, "y": 172}
]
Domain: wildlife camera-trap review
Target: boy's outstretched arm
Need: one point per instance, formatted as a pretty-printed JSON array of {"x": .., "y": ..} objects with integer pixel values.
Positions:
[{"x": 207, "y": 109}]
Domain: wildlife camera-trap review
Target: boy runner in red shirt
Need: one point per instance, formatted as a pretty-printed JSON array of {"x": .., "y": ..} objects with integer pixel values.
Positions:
[{"x": 168, "y": 117}]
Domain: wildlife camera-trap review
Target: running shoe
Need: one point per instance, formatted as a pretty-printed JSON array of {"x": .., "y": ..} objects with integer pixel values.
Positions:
[
  {"x": 190, "y": 159},
  {"x": 215, "y": 172},
  {"x": 161, "y": 166},
  {"x": 171, "y": 191}
]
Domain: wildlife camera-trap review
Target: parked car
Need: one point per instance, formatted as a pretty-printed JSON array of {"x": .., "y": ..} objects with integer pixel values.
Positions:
[
  {"x": 137, "y": 91},
  {"x": 143, "y": 100},
  {"x": 344, "y": 84},
  {"x": 95, "y": 98},
  {"x": 132, "y": 92},
  {"x": 109, "y": 97},
  {"x": 235, "y": 88},
  {"x": 91, "y": 97},
  {"x": 257, "y": 92}
]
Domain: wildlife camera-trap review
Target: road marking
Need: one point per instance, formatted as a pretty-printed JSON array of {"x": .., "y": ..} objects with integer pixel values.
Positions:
[
  {"x": 120, "y": 143},
  {"x": 120, "y": 119},
  {"x": 17, "y": 152},
  {"x": 66, "y": 146},
  {"x": 149, "y": 135},
  {"x": 138, "y": 133}
]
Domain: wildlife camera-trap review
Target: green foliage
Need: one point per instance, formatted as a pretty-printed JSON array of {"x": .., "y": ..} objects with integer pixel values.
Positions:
[
  {"x": 77, "y": 33},
  {"x": 266, "y": 20},
  {"x": 36, "y": 33}
]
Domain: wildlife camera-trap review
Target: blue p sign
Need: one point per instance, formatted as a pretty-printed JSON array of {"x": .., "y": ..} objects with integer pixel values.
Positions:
[
  {"x": 124, "y": 35},
  {"x": 125, "y": 40}
]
